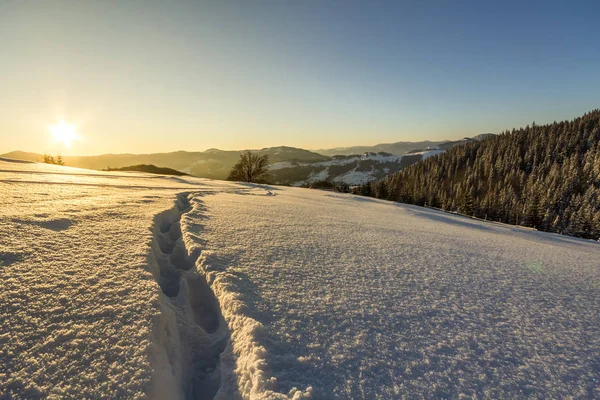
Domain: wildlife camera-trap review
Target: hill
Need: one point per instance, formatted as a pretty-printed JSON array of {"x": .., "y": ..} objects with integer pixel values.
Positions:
[
  {"x": 541, "y": 176},
  {"x": 213, "y": 163},
  {"x": 352, "y": 170},
  {"x": 23, "y": 155},
  {"x": 149, "y": 168},
  {"x": 399, "y": 148}
]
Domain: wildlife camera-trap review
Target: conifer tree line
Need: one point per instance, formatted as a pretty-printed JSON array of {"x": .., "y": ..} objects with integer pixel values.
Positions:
[{"x": 546, "y": 177}]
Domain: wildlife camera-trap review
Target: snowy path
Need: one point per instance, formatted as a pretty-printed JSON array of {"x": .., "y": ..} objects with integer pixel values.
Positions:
[
  {"x": 190, "y": 334},
  {"x": 132, "y": 285},
  {"x": 79, "y": 307}
]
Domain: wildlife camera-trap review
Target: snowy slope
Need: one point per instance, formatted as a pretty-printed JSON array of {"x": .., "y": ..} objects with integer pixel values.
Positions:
[
  {"x": 356, "y": 298},
  {"x": 78, "y": 303},
  {"x": 131, "y": 285},
  {"x": 352, "y": 169}
]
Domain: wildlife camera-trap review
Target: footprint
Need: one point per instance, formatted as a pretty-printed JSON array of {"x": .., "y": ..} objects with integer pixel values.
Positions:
[
  {"x": 203, "y": 303},
  {"x": 203, "y": 332}
]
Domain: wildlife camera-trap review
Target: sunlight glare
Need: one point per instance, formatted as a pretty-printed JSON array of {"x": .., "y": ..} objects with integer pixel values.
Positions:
[{"x": 63, "y": 133}]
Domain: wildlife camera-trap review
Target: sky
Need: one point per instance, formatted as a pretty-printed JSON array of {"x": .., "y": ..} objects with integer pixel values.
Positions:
[{"x": 155, "y": 76}]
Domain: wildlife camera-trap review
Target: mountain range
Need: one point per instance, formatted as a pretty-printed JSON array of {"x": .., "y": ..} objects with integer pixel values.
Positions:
[
  {"x": 398, "y": 148},
  {"x": 289, "y": 165}
]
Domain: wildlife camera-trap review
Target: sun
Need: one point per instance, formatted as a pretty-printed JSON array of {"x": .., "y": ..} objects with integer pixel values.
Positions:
[{"x": 63, "y": 133}]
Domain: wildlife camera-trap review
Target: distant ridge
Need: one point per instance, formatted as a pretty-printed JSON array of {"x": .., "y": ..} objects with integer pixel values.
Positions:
[
  {"x": 399, "y": 148},
  {"x": 290, "y": 165},
  {"x": 150, "y": 169},
  {"x": 212, "y": 164}
]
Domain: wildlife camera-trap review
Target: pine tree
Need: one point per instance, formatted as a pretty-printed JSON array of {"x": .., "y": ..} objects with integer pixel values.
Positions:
[
  {"x": 531, "y": 214},
  {"x": 543, "y": 176},
  {"x": 365, "y": 189},
  {"x": 48, "y": 159}
]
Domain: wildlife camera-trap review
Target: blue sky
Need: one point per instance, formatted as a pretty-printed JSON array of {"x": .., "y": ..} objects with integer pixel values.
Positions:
[{"x": 147, "y": 76}]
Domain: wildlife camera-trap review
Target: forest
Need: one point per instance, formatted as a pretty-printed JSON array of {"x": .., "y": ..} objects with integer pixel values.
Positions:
[{"x": 542, "y": 176}]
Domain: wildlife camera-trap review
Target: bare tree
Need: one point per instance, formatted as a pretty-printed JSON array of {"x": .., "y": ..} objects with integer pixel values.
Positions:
[{"x": 250, "y": 167}]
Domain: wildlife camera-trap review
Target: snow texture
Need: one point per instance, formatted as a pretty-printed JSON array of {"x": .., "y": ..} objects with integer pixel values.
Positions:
[
  {"x": 350, "y": 297},
  {"x": 138, "y": 286},
  {"x": 80, "y": 312}
]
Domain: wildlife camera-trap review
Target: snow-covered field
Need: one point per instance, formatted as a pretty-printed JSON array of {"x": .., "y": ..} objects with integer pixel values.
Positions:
[
  {"x": 78, "y": 301},
  {"x": 132, "y": 285}
]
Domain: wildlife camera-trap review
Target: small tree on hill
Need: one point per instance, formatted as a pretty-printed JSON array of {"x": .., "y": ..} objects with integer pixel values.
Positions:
[
  {"x": 58, "y": 160},
  {"x": 48, "y": 159},
  {"x": 250, "y": 168}
]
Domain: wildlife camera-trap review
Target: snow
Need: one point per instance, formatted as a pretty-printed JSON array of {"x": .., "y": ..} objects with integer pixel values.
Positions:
[
  {"x": 281, "y": 165},
  {"x": 339, "y": 161},
  {"x": 350, "y": 297},
  {"x": 429, "y": 153},
  {"x": 314, "y": 177},
  {"x": 381, "y": 157},
  {"x": 355, "y": 177},
  {"x": 352, "y": 178},
  {"x": 77, "y": 299},
  {"x": 136, "y": 285},
  {"x": 319, "y": 176}
]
